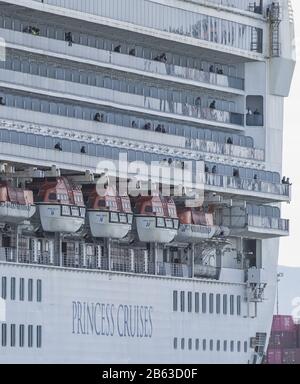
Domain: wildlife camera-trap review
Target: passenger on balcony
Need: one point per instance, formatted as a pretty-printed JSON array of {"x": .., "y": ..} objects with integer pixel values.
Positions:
[
  {"x": 211, "y": 69},
  {"x": 213, "y": 105},
  {"x": 83, "y": 150},
  {"x": 35, "y": 31},
  {"x": 236, "y": 173},
  {"x": 69, "y": 38},
  {"x": 2, "y": 101},
  {"x": 206, "y": 169},
  {"x": 99, "y": 117},
  {"x": 198, "y": 101},
  {"x": 283, "y": 181},
  {"x": 288, "y": 182},
  {"x": 249, "y": 112},
  {"x": 220, "y": 71},
  {"x": 160, "y": 128},
  {"x": 163, "y": 58},
  {"x": 132, "y": 52},
  {"x": 214, "y": 169},
  {"x": 256, "y": 112},
  {"x": 134, "y": 124},
  {"x": 117, "y": 49},
  {"x": 229, "y": 141},
  {"x": 147, "y": 126},
  {"x": 58, "y": 147}
]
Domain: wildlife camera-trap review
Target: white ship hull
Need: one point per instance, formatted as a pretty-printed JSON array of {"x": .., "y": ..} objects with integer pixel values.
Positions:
[{"x": 89, "y": 317}]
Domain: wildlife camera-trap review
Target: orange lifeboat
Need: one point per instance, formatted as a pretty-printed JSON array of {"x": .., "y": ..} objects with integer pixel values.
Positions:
[
  {"x": 16, "y": 204},
  {"x": 110, "y": 216},
  {"x": 156, "y": 219},
  {"x": 196, "y": 225},
  {"x": 61, "y": 205}
]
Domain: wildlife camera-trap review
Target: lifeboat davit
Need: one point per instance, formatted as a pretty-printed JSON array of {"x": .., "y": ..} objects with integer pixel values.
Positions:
[
  {"x": 16, "y": 204},
  {"x": 110, "y": 216},
  {"x": 156, "y": 219},
  {"x": 61, "y": 205}
]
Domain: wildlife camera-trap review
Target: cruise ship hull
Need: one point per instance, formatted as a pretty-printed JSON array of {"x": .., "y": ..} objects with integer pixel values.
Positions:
[{"x": 103, "y": 317}]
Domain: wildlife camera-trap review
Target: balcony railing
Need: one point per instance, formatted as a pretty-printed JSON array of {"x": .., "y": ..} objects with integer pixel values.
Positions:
[
  {"x": 226, "y": 149},
  {"x": 238, "y": 183},
  {"x": 125, "y": 99},
  {"x": 117, "y": 264},
  {"x": 126, "y": 61},
  {"x": 245, "y": 5},
  {"x": 269, "y": 223},
  {"x": 255, "y": 120}
]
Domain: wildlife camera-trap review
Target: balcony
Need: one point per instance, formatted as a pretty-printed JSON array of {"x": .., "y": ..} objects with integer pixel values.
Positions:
[
  {"x": 117, "y": 264},
  {"x": 248, "y": 187},
  {"x": 255, "y": 120},
  {"x": 226, "y": 149},
  {"x": 122, "y": 100},
  {"x": 258, "y": 225},
  {"x": 122, "y": 61},
  {"x": 244, "y": 5}
]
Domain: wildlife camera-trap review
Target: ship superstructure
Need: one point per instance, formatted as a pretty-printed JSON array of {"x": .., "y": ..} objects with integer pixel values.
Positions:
[{"x": 141, "y": 178}]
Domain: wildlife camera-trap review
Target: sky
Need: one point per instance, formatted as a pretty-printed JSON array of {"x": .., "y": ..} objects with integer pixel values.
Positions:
[{"x": 290, "y": 247}]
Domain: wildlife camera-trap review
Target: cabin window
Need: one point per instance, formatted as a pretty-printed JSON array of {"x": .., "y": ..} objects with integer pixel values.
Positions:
[
  {"x": 75, "y": 211},
  {"x": 30, "y": 336},
  {"x": 13, "y": 288},
  {"x": 21, "y": 335},
  {"x": 114, "y": 217},
  {"x": 4, "y": 283},
  {"x": 52, "y": 196},
  {"x": 4, "y": 335},
  {"x": 169, "y": 223},
  {"x": 13, "y": 335},
  {"x": 197, "y": 302},
  {"x": 161, "y": 222},
  {"x": 39, "y": 336},
  {"x": 176, "y": 224},
  {"x": 148, "y": 209},
  {"x": 123, "y": 218},
  {"x": 66, "y": 210},
  {"x": 82, "y": 212}
]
